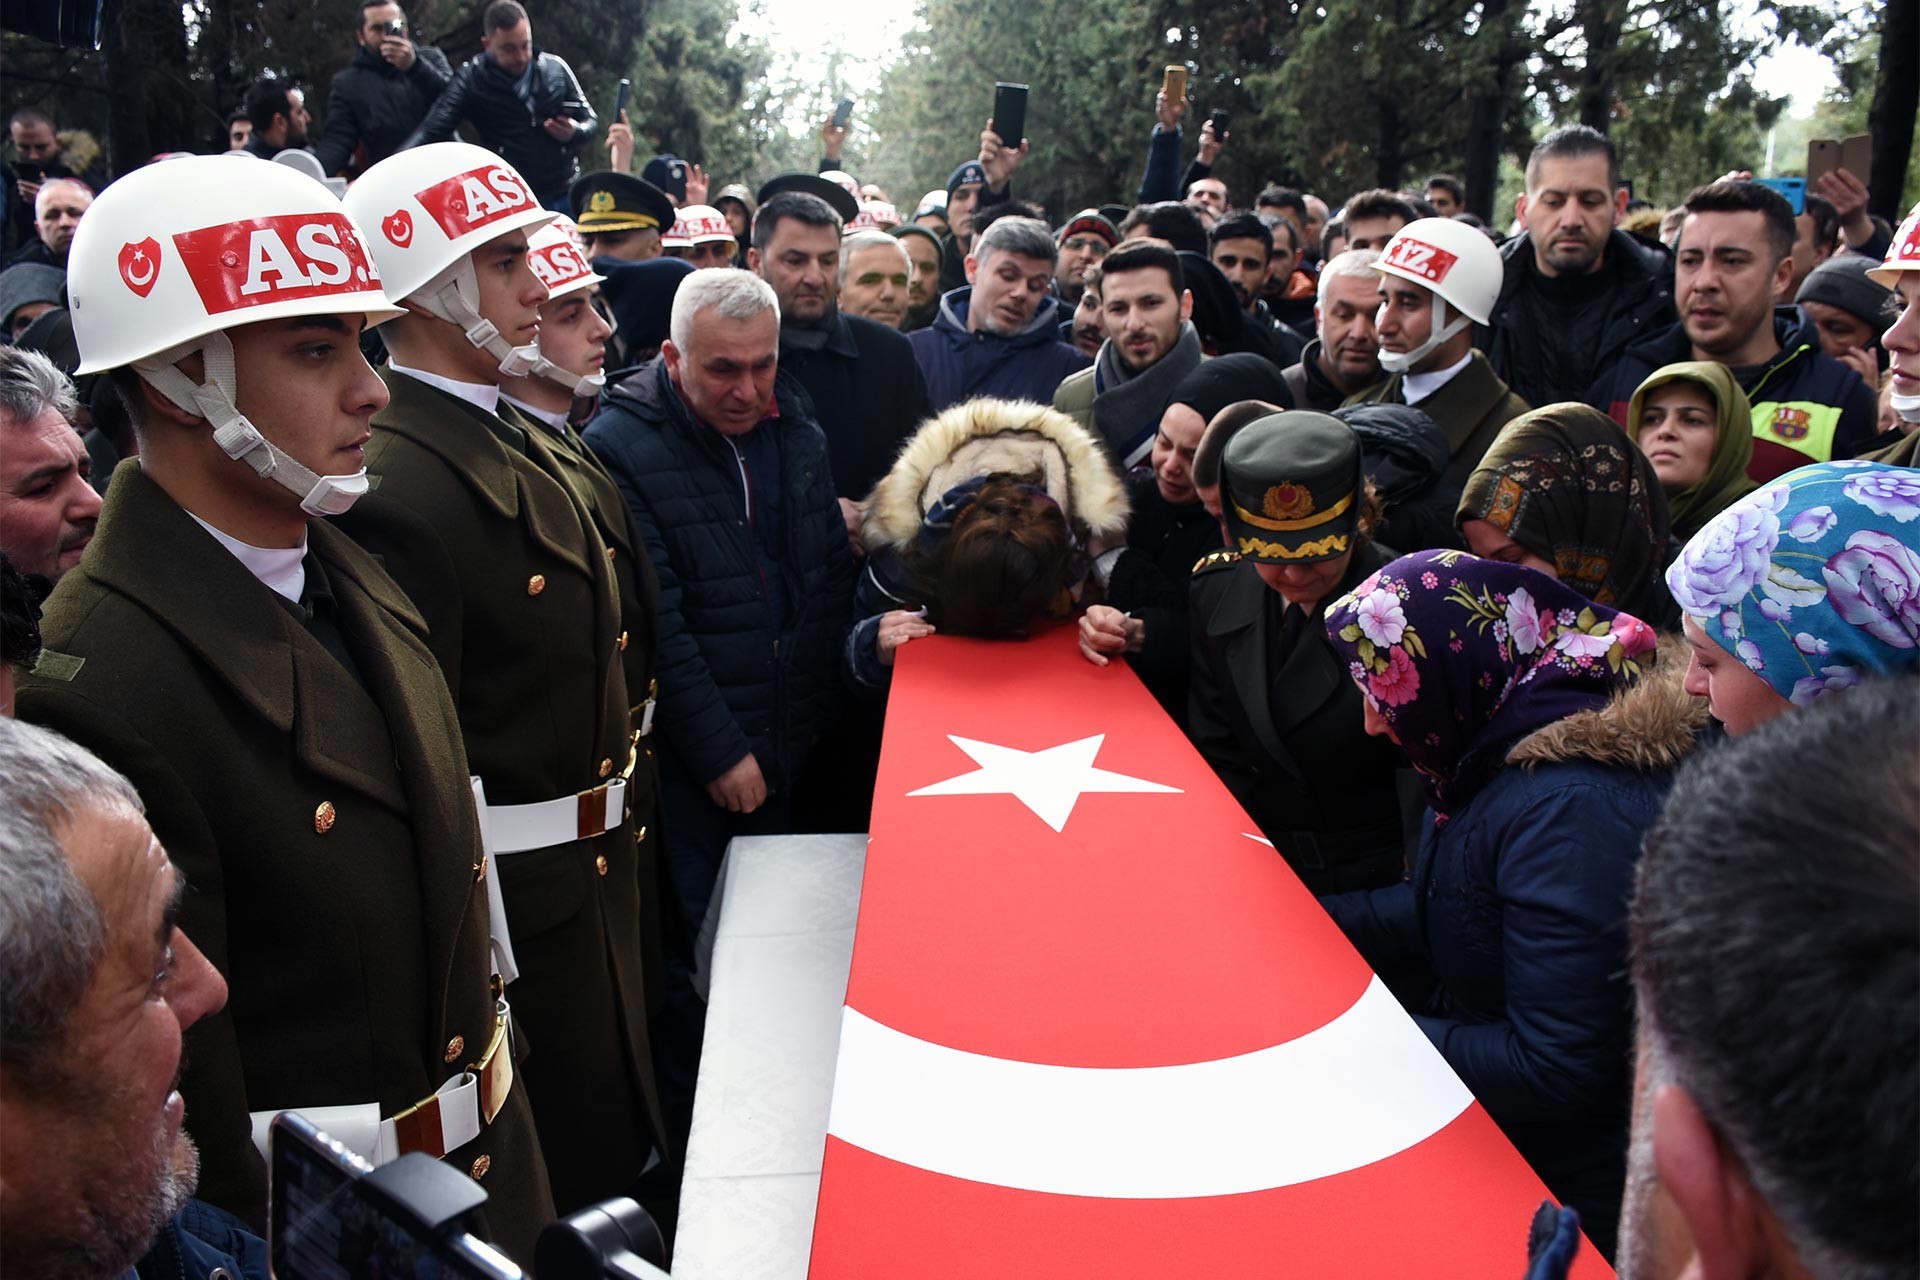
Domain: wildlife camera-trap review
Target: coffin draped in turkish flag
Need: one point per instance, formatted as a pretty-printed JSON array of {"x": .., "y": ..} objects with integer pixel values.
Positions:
[{"x": 1096, "y": 1027}]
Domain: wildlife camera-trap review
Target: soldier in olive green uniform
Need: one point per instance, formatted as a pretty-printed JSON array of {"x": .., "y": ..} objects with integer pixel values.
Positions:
[
  {"x": 535, "y": 642},
  {"x": 269, "y": 690}
]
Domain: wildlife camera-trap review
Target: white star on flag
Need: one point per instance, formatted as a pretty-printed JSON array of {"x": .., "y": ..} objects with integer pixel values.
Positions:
[{"x": 1049, "y": 782}]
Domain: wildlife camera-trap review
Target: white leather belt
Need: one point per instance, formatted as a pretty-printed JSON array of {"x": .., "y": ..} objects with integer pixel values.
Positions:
[
  {"x": 452, "y": 1116},
  {"x": 521, "y": 828}
]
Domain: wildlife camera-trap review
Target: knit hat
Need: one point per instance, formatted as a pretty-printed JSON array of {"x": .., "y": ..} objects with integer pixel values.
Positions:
[
  {"x": 906, "y": 229},
  {"x": 29, "y": 282},
  {"x": 1090, "y": 221},
  {"x": 1841, "y": 281},
  {"x": 968, "y": 172}
]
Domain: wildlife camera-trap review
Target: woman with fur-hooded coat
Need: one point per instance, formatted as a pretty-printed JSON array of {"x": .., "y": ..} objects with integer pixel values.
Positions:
[
  {"x": 986, "y": 522},
  {"x": 1546, "y": 755}
]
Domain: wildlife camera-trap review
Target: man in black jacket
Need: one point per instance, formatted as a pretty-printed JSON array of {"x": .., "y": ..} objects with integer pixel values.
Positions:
[
  {"x": 526, "y": 105},
  {"x": 383, "y": 94},
  {"x": 1576, "y": 291}
]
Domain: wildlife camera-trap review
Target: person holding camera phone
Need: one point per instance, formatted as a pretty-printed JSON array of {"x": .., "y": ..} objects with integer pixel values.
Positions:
[{"x": 383, "y": 95}]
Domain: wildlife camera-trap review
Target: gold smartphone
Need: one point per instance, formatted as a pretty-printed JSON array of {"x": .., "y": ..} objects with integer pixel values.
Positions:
[{"x": 1175, "y": 84}]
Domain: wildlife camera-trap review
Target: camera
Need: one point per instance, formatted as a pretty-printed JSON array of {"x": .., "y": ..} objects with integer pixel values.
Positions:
[
  {"x": 333, "y": 1216},
  {"x": 396, "y": 27}
]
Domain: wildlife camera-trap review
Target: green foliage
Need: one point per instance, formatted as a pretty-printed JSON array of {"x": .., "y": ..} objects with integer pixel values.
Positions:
[{"x": 699, "y": 94}]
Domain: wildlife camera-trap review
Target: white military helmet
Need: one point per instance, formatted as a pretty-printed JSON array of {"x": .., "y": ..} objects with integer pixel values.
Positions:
[
  {"x": 1903, "y": 256},
  {"x": 844, "y": 180},
  {"x": 172, "y": 255},
  {"x": 554, "y": 254},
  {"x": 426, "y": 210},
  {"x": 1454, "y": 262},
  {"x": 702, "y": 224}
]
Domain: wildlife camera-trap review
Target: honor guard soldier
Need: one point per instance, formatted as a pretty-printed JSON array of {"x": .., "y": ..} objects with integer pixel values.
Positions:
[
  {"x": 269, "y": 690},
  {"x": 534, "y": 641}
]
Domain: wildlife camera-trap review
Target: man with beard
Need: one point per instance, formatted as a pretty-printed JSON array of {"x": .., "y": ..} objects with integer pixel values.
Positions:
[
  {"x": 923, "y": 283},
  {"x": 1245, "y": 250},
  {"x": 280, "y": 117},
  {"x": 101, "y": 985},
  {"x": 1000, "y": 336},
  {"x": 1734, "y": 265},
  {"x": 1575, "y": 290},
  {"x": 1084, "y": 240},
  {"x": 384, "y": 92},
  {"x": 1087, "y": 328},
  {"x": 865, "y": 389},
  {"x": 48, "y": 509},
  {"x": 1344, "y": 358},
  {"x": 1151, "y": 345}
]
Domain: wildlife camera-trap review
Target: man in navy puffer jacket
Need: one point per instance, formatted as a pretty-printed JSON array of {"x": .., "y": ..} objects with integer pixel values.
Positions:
[{"x": 733, "y": 495}]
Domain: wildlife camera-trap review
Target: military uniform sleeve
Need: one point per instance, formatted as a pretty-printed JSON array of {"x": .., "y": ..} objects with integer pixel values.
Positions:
[{"x": 1208, "y": 724}]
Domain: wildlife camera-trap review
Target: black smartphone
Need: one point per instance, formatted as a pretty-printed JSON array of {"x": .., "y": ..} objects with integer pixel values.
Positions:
[
  {"x": 842, "y": 112},
  {"x": 1220, "y": 120},
  {"x": 620, "y": 101},
  {"x": 397, "y": 27},
  {"x": 1010, "y": 113},
  {"x": 322, "y": 1226},
  {"x": 27, "y": 171}
]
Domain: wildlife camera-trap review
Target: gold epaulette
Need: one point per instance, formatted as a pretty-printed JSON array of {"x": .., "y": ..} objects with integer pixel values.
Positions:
[{"x": 1216, "y": 560}]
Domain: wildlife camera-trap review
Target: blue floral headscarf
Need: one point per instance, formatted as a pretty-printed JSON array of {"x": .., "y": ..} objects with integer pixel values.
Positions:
[
  {"x": 1813, "y": 581},
  {"x": 1464, "y": 656}
]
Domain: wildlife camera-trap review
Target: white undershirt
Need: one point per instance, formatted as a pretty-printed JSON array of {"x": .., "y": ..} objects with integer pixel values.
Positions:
[
  {"x": 1418, "y": 386},
  {"x": 482, "y": 395},
  {"x": 555, "y": 419},
  {"x": 281, "y": 570}
]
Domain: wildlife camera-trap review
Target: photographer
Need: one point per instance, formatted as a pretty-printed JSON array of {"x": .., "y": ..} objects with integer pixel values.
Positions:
[{"x": 383, "y": 95}]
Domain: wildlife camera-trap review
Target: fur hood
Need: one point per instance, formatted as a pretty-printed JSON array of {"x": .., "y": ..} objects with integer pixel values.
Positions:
[
  {"x": 981, "y": 437},
  {"x": 1647, "y": 727}
]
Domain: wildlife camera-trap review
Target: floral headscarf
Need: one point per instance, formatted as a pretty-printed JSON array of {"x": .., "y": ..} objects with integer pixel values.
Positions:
[
  {"x": 1463, "y": 656},
  {"x": 1567, "y": 484},
  {"x": 1813, "y": 581}
]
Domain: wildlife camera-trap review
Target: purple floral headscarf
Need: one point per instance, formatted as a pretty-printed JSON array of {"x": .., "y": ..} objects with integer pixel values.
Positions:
[
  {"x": 1463, "y": 656},
  {"x": 1812, "y": 581}
]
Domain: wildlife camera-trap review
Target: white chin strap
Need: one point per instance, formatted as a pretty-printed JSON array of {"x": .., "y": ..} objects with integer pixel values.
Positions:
[
  {"x": 584, "y": 384},
  {"x": 454, "y": 296},
  {"x": 1908, "y": 407},
  {"x": 1403, "y": 361},
  {"x": 238, "y": 438}
]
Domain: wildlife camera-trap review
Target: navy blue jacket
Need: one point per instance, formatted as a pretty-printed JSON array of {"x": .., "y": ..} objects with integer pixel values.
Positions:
[
  {"x": 736, "y": 674},
  {"x": 1516, "y": 912},
  {"x": 201, "y": 1243},
  {"x": 958, "y": 365}
]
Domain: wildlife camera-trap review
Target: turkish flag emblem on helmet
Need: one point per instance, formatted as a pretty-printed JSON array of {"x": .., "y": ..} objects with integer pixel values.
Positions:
[
  {"x": 140, "y": 265},
  {"x": 398, "y": 227},
  {"x": 470, "y": 200},
  {"x": 1416, "y": 257}
]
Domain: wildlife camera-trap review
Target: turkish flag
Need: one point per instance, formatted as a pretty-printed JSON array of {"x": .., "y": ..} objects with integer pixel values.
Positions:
[{"x": 1096, "y": 1027}]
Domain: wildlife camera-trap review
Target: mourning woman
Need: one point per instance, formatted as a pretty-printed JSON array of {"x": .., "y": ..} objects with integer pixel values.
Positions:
[
  {"x": 1695, "y": 425},
  {"x": 1564, "y": 491},
  {"x": 1271, "y": 707},
  {"x": 986, "y": 525},
  {"x": 1544, "y": 756}
]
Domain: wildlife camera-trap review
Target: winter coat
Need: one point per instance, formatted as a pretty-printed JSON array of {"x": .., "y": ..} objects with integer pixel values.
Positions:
[
  {"x": 1807, "y": 406},
  {"x": 972, "y": 440},
  {"x": 1470, "y": 407},
  {"x": 1516, "y": 911},
  {"x": 733, "y": 678},
  {"x": 1309, "y": 383},
  {"x": 482, "y": 94},
  {"x": 1150, "y": 582},
  {"x": 1404, "y": 453},
  {"x": 864, "y": 390},
  {"x": 374, "y": 104},
  {"x": 961, "y": 365},
  {"x": 202, "y": 1243},
  {"x": 1550, "y": 336}
]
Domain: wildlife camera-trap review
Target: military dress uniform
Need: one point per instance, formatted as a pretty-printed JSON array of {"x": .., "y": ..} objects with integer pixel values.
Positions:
[
  {"x": 303, "y": 767},
  {"x": 538, "y": 674},
  {"x": 1271, "y": 705}
]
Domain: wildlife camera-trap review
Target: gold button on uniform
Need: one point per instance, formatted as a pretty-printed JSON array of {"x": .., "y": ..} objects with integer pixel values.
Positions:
[
  {"x": 609, "y": 555},
  {"x": 606, "y": 767},
  {"x": 536, "y": 584},
  {"x": 639, "y": 833},
  {"x": 622, "y": 642},
  {"x": 480, "y": 1167},
  {"x": 324, "y": 817},
  {"x": 454, "y": 1046},
  {"x": 600, "y": 864}
]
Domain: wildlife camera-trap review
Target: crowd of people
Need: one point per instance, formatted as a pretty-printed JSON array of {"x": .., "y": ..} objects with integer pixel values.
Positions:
[{"x": 421, "y": 558}]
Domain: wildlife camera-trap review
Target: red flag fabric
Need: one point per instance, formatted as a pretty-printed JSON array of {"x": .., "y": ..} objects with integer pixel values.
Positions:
[{"x": 1096, "y": 1027}]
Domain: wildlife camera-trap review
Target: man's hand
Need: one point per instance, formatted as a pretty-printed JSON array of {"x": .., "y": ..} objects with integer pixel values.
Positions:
[
  {"x": 1105, "y": 632},
  {"x": 620, "y": 144},
  {"x": 999, "y": 159},
  {"x": 1209, "y": 144},
  {"x": 832, "y": 138},
  {"x": 1169, "y": 111},
  {"x": 740, "y": 789},
  {"x": 1862, "y": 362},
  {"x": 897, "y": 628},
  {"x": 561, "y": 127},
  {"x": 696, "y": 184},
  {"x": 29, "y": 192},
  {"x": 397, "y": 50},
  {"x": 1848, "y": 195},
  {"x": 854, "y": 515}
]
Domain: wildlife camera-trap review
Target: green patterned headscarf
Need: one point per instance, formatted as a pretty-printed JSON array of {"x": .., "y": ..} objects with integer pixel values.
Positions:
[{"x": 1726, "y": 478}]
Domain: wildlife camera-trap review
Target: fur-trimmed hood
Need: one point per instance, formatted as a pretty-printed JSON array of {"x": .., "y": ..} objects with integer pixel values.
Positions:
[
  {"x": 982, "y": 437},
  {"x": 1647, "y": 727}
]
